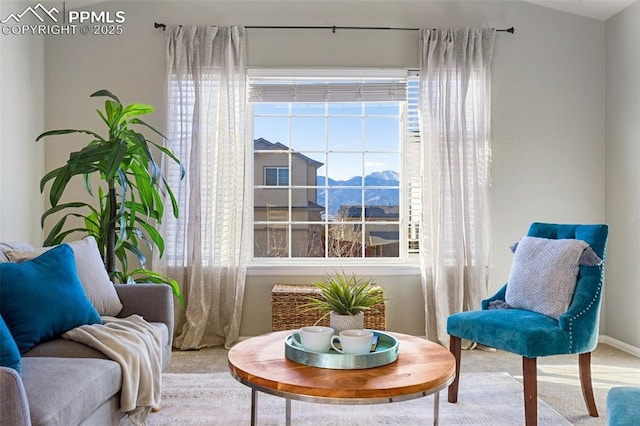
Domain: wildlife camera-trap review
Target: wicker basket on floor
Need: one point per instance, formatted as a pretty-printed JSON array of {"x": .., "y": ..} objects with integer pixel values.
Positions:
[{"x": 287, "y": 314}]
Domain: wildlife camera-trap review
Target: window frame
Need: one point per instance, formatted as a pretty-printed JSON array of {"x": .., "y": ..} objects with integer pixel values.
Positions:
[
  {"x": 277, "y": 169},
  {"x": 406, "y": 257}
]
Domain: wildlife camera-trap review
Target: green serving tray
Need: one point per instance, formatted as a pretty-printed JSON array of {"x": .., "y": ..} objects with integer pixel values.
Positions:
[{"x": 386, "y": 352}]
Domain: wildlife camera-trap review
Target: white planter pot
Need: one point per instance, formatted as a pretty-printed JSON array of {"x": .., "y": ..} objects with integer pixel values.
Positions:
[{"x": 346, "y": 322}]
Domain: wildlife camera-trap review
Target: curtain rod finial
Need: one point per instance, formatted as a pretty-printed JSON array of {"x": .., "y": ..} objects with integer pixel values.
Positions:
[{"x": 510, "y": 30}]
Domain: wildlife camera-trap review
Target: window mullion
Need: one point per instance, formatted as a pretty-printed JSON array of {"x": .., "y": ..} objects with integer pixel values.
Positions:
[
  {"x": 290, "y": 186},
  {"x": 363, "y": 173},
  {"x": 326, "y": 181}
]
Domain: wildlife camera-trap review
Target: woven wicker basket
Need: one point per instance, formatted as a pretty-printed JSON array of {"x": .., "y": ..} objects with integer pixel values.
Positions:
[{"x": 286, "y": 313}]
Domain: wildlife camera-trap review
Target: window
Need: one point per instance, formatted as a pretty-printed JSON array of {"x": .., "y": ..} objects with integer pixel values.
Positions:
[
  {"x": 335, "y": 149},
  {"x": 276, "y": 176}
]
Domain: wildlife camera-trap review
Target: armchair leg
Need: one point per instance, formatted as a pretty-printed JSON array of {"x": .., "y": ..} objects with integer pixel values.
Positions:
[
  {"x": 455, "y": 346},
  {"x": 530, "y": 391},
  {"x": 584, "y": 361}
]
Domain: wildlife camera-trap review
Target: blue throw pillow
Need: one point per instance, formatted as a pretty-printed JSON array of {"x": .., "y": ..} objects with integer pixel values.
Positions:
[
  {"x": 9, "y": 353},
  {"x": 42, "y": 298}
]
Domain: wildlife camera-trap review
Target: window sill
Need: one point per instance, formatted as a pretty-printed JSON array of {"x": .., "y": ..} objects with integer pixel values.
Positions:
[{"x": 301, "y": 268}]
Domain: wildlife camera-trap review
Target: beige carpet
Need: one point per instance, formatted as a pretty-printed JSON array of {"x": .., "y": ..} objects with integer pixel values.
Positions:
[{"x": 218, "y": 399}]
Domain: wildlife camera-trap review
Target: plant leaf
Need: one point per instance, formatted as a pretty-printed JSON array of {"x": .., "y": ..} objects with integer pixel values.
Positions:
[
  {"x": 60, "y": 207},
  {"x": 153, "y": 233},
  {"x": 135, "y": 110},
  {"x": 67, "y": 131},
  {"x": 137, "y": 252},
  {"x": 59, "y": 184},
  {"x": 174, "y": 202},
  {"x": 171, "y": 155},
  {"x": 107, "y": 93},
  {"x": 116, "y": 154},
  {"x": 52, "y": 174},
  {"x": 145, "y": 275},
  {"x": 138, "y": 121}
]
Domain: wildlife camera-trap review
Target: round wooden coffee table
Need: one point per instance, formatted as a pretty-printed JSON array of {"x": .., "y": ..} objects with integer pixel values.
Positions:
[{"x": 422, "y": 368}]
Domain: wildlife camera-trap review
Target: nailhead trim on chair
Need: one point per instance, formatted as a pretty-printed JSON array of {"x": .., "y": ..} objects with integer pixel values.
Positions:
[{"x": 588, "y": 308}]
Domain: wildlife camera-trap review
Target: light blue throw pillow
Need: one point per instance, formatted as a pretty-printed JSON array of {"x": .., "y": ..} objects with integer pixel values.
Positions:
[
  {"x": 9, "y": 353},
  {"x": 544, "y": 273},
  {"x": 42, "y": 298}
]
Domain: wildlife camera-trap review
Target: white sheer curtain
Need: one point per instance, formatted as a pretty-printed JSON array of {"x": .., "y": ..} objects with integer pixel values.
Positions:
[
  {"x": 207, "y": 246},
  {"x": 455, "y": 91}
]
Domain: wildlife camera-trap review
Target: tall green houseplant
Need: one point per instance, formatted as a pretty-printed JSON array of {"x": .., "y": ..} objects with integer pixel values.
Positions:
[{"x": 129, "y": 198}]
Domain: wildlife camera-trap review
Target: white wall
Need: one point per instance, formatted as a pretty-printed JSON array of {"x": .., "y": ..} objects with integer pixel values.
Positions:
[
  {"x": 622, "y": 295},
  {"x": 548, "y": 101},
  {"x": 21, "y": 121}
]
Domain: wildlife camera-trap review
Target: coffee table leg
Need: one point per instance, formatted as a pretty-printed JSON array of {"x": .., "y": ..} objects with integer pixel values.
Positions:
[
  {"x": 436, "y": 408},
  {"x": 254, "y": 407},
  {"x": 288, "y": 412}
]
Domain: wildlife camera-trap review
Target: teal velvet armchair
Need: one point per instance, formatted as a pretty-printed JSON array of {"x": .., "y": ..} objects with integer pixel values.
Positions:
[{"x": 531, "y": 334}]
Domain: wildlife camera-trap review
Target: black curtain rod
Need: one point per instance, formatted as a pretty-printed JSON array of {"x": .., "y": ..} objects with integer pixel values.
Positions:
[{"x": 332, "y": 28}]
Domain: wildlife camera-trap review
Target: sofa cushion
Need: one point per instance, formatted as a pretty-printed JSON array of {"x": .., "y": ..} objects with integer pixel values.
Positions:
[
  {"x": 69, "y": 349},
  {"x": 167, "y": 344},
  {"x": 91, "y": 271},
  {"x": 42, "y": 298},
  {"x": 544, "y": 274},
  {"x": 67, "y": 391},
  {"x": 9, "y": 353}
]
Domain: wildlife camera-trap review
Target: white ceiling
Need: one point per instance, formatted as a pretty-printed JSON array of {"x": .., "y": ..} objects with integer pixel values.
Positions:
[{"x": 596, "y": 9}]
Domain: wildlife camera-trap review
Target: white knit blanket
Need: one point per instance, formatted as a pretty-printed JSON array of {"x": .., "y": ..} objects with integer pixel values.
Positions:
[{"x": 135, "y": 345}]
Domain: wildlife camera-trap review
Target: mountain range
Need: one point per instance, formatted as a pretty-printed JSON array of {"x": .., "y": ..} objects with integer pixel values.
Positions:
[{"x": 340, "y": 196}]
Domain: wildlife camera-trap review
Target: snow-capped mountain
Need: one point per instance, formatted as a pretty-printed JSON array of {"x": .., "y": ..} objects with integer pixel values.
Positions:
[{"x": 341, "y": 196}]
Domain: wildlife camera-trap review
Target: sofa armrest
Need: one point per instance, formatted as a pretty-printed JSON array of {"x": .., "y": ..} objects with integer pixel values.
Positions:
[
  {"x": 154, "y": 302},
  {"x": 14, "y": 407}
]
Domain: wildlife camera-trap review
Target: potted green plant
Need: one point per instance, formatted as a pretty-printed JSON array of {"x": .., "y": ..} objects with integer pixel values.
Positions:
[
  {"x": 128, "y": 202},
  {"x": 345, "y": 299}
]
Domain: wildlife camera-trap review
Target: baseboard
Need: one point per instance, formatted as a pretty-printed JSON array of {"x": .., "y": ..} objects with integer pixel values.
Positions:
[{"x": 625, "y": 347}]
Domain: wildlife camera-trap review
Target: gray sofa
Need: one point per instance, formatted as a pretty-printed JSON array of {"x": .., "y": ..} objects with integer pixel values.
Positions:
[{"x": 67, "y": 383}]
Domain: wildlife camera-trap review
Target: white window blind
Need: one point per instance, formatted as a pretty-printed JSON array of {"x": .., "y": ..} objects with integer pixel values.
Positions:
[
  {"x": 412, "y": 156},
  {"x": 348, "y": 90}
]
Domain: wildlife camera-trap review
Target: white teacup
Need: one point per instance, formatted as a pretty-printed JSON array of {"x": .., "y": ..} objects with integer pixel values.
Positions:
[
  {"x": 353, "y": 341},
  {"x": 314, "y": 338}
]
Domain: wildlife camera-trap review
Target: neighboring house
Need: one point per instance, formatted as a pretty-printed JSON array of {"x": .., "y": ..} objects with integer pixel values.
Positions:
[
  {"x": 273, "y": 178},
  {"x": 381, "y": 240}
]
